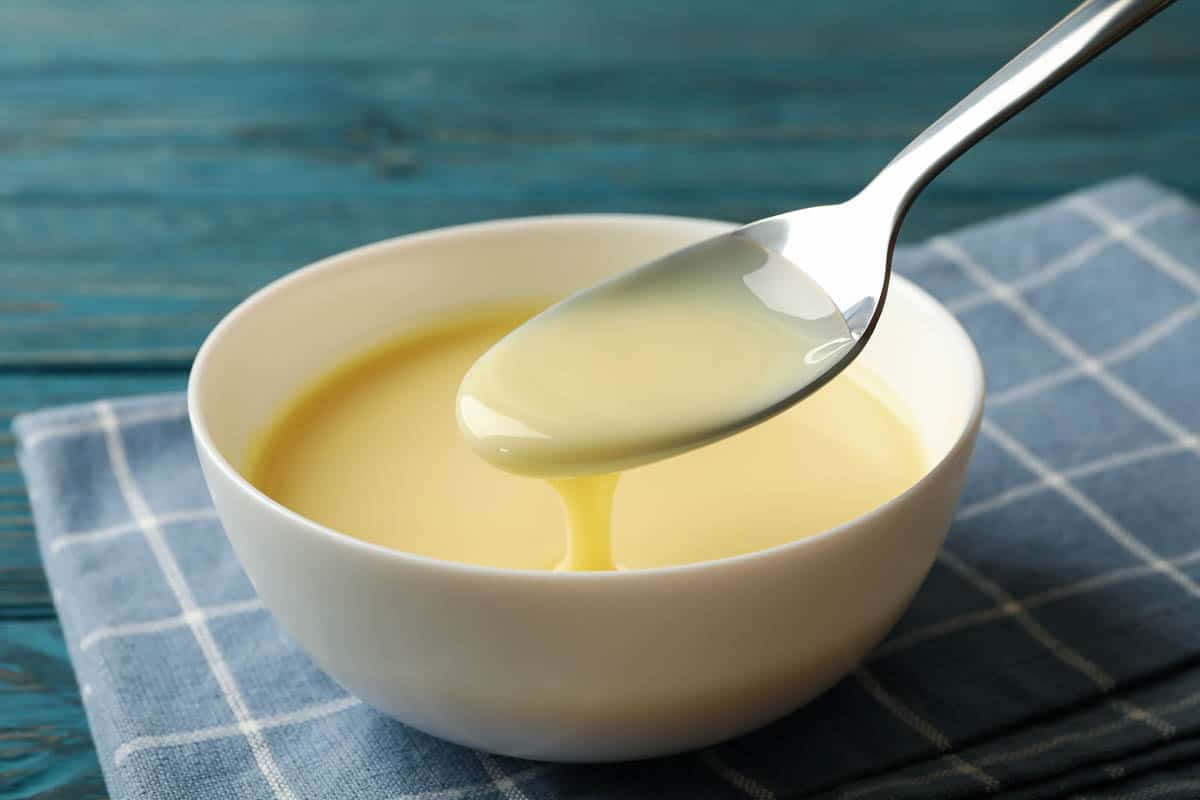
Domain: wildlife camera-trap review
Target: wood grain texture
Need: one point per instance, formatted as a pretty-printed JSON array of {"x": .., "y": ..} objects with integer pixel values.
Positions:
[
  {"x": 160, "y": 160},
  {"x": 45, "y": 749},
  {"x": 159, "y": 168}
]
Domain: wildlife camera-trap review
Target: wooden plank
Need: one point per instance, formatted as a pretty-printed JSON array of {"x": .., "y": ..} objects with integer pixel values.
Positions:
[
  {"x": 315, "y": 31},
  {"x": 19, "y": 393},
  {"x": 45, "y": 748},
  {"x": 148, "y": 190}
]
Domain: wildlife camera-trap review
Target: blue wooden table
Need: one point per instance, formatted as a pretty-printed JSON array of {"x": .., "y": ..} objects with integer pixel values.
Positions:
[{"x": 159, "y": 160}]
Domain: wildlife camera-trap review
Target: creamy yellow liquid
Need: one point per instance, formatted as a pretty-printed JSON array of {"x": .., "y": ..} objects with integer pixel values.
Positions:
[
  {"x": 659, "y": 360},
  {"x": 374, "y": 451}
]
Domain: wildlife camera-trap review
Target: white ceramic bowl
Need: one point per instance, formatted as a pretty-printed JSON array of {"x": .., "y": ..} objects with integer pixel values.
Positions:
[{"x": 560, "y": 666}]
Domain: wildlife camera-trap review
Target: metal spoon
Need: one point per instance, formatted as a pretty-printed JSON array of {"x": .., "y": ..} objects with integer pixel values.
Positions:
[{"x": 537, "y": 403}]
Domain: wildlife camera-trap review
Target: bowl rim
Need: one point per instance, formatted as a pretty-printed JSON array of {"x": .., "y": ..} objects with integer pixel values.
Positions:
[{"x": 312, "y": 271}]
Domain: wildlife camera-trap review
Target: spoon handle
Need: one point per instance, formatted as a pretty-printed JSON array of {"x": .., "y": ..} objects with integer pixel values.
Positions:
[{"x": 1075, "y": 40}]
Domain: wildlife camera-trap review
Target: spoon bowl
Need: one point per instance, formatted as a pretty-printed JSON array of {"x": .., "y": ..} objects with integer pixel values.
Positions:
[{"x": 744, "y": 314}]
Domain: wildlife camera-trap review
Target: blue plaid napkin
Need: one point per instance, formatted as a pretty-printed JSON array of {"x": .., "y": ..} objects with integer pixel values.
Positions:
[{"x": 1054, "y": 650}]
